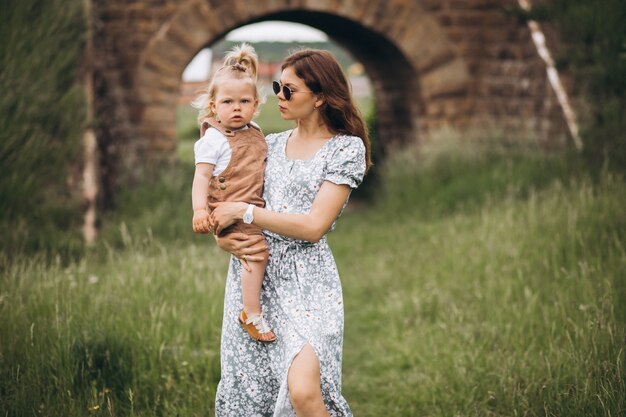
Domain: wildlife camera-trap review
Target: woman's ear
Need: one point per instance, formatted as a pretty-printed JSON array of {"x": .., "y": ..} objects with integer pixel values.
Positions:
[{"x": 319, "y": 102}]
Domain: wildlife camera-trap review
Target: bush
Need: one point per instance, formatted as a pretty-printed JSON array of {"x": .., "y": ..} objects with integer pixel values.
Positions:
[
  {"x": 41, "y": 115},
  {"x": 450, "y": 172}
]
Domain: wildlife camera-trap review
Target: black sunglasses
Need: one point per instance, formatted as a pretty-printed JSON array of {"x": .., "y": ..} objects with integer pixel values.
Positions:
[{"x": 286, "y": 90}]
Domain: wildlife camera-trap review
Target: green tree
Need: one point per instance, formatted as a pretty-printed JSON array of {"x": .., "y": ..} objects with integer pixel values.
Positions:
[{"x": 595, "y": 51}]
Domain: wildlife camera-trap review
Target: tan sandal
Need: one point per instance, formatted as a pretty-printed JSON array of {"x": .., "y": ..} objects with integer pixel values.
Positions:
[{"x": 256, "y": 327}]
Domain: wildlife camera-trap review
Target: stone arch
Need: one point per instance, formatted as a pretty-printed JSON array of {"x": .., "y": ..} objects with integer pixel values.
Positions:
[{"x": 413, "y": 66}]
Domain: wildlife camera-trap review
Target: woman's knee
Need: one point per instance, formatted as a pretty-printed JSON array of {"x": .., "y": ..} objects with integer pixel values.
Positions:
[
  {"x": 304, "y": 381},
  {"x": 304, "y": 396}
]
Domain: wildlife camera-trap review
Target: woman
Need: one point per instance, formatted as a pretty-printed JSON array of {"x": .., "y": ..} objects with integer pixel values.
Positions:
[{"x": 310, "y": 173}]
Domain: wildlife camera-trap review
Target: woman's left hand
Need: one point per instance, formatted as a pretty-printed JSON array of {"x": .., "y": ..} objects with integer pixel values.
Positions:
[{"x": 226, "y": 213}]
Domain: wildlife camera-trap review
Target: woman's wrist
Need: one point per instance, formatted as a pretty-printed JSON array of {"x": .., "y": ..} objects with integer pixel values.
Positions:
[{"x": 241, "y": 210}]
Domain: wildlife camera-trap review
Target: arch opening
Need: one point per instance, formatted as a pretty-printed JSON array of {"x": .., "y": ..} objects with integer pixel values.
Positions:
[
  {"x": 393, "y": 78},
  {"x": 273, "y": 42}
]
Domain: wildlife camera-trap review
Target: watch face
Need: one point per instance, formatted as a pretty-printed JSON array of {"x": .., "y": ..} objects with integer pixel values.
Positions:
[{"x": 248, "y": 216}]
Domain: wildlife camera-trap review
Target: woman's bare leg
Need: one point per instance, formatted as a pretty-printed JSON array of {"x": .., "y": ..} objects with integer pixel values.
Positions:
[{"x": 303, "y": 380}]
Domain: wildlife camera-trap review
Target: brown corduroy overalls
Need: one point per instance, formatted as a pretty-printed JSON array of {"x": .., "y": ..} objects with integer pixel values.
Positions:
[{"x": 242, "y": 180}]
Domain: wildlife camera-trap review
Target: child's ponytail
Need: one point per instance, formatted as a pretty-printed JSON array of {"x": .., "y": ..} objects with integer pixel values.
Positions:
[
  {"x": 240, "y": 62},
  {"x": 243, "y": 55}
]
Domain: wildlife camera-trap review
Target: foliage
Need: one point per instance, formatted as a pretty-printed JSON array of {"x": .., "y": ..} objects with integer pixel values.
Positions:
[
  {"x": 595, "y": 40},
  {"x": 455, "y": 171},
  {"x": 41, "y": 114}
]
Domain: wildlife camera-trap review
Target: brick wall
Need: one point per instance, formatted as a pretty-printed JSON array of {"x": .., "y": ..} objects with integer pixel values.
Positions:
[{"x": 433, "y": 63}]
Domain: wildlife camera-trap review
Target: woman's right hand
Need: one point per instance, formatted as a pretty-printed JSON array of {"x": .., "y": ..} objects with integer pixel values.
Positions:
[{"x": 242, "y": 246}]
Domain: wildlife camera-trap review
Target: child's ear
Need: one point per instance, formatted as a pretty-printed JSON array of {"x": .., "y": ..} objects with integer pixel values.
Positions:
[{"x": 212, "y": 107}]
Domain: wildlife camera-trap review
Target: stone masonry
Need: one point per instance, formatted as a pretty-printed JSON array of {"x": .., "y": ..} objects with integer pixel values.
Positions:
[{"x": 466, "y": 64}]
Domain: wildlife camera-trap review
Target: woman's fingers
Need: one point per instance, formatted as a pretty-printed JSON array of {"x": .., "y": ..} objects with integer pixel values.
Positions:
[
  {"x": 249, "y": 241},
  {"x": 246, "y": 266},
  {"x": 253, "y": 258},
  {"x": 239, "y": 236},
  {"x": 242, "y": 245},
  {"x": 253, "y": 250}
]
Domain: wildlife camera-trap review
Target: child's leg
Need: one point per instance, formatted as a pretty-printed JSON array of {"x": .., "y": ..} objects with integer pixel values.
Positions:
[
  {"x": 251, "y": 285},
  {"x": 251, "y": 317}
]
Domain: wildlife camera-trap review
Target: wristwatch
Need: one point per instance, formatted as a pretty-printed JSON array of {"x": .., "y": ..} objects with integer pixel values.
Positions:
[{"x": 248, "y": 217}]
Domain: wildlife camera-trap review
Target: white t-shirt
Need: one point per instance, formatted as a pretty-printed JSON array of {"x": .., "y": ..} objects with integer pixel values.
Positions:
[{"x": 213, "y": 148}]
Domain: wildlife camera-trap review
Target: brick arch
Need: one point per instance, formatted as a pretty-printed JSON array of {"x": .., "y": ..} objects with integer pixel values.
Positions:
[
  {"x": 433, "y": 63},
  {"x": 396, "y": 58}
]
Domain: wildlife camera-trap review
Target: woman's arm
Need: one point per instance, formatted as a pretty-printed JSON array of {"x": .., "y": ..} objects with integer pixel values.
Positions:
[
  {"x": 199, "y": 193},
  {"x": 310, "y": 227}
]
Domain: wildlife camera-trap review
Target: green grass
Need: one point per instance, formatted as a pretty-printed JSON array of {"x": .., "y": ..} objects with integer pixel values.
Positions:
[{"x": 506, "y": 300}]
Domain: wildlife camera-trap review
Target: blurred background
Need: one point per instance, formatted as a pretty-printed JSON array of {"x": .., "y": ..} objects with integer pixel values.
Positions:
[
  {"x": 482, "y": 259},
  {"x": 272, "y": 40}
]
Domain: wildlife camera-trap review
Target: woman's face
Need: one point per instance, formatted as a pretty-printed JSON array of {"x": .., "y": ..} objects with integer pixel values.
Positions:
[{"x": 303, "y": 100}]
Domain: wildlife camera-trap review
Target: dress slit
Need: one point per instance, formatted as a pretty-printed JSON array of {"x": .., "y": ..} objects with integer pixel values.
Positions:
[{"x": 283, "y": 405}]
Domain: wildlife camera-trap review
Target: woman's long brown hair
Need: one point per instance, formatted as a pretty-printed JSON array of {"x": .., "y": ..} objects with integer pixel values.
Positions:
[{"x": 321, "y": 72}]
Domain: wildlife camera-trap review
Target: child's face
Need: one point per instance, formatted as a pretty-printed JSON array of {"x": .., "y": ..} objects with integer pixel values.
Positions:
[{"x": 235, "y": 103}]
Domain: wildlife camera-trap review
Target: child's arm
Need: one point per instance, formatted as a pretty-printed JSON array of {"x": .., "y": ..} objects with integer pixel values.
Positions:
[{"x": 199, "y": 192}]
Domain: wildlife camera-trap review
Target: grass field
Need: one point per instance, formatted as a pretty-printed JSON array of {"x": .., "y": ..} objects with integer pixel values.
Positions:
[{"x": 479, "y": 283}]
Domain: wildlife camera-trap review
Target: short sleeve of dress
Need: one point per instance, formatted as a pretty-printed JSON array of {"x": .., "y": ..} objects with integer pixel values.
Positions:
[
  {"x": 273, "y": 138},
  {"x": 346, "y": 163}
]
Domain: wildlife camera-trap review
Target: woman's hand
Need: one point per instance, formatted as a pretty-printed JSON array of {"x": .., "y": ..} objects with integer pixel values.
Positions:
[
  {"x": 244, "y": 247},
  {"x": 201, "y": 221},
  {"x": 225, "y": 214}
]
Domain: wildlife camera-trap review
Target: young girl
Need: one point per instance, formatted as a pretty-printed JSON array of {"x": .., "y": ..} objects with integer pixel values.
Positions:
[{"x": 230, "y": 162}]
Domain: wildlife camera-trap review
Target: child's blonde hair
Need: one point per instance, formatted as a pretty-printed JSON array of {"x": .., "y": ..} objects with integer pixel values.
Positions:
[{"x": 240, "y": 62}]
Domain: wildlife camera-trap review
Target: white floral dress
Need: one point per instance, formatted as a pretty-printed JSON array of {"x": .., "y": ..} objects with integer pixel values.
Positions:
[{"x": 301, "y": 295}]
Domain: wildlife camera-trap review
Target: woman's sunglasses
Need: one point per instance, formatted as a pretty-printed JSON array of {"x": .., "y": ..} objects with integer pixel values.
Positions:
[{"x": 286, "y": 90}]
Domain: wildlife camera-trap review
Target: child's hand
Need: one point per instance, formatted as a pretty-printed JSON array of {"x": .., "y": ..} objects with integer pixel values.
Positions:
[{"x": 202, "y": 221}]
